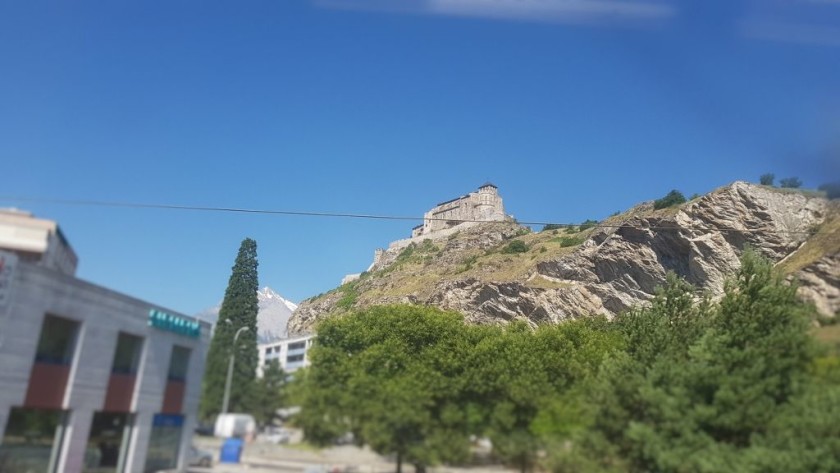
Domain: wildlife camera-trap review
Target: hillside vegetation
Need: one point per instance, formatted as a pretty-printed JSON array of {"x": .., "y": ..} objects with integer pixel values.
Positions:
[
  {"x": 500, "y": 271},
  {"x": 684, "y": 385}
]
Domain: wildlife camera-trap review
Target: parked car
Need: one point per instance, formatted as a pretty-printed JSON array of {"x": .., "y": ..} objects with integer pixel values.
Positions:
[
  {"x": 198, "y": 457},
  {"x": 275, "y": 435},
  {"x": 205, "y": 430}
]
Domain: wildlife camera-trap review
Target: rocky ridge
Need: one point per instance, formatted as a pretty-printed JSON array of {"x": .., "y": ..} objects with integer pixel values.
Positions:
[{"x": 606, "y": 269}]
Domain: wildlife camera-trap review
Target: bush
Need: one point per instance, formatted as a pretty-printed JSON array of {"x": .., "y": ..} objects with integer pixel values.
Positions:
[
  {"x": 567, "y": 241},
  {"x": 587, "y": 224},
  {"x": 831, "y": 189},
  {"x": 552, "y": 226},
  {"x": 516, "y": 246},
  {"x": 767, "y": 179},
  {"x": 673, "y": 198},
  {"x": 790, "y": 183},
  {"x": 349, "y": 296},
  {"x": 468, "y": 263}
]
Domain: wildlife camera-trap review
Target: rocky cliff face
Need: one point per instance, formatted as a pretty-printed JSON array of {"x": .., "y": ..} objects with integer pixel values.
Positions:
[{"x": 609, "y": 268}]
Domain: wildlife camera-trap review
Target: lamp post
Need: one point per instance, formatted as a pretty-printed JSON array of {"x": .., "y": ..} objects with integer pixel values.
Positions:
[{"x": 230, "y": 369}]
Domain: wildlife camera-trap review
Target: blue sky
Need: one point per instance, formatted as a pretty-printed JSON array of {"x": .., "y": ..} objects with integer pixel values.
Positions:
[{"x": 574, "y": 108}]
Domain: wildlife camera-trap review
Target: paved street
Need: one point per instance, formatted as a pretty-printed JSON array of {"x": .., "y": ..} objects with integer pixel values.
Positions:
[{"x": 260, "y": 457}]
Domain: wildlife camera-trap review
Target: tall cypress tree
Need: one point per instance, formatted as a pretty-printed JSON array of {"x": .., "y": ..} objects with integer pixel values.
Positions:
[{"x": 239, "y": 309}]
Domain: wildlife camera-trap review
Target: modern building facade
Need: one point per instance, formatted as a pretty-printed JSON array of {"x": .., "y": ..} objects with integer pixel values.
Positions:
[
  {"x": 36, "y": 240},
  {"x": 289, "y": 352},
  {"x": 91, "y": 380}
]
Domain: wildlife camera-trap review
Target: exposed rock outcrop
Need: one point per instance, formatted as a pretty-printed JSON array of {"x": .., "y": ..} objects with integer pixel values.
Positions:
[{"x": 617, "y": 266}]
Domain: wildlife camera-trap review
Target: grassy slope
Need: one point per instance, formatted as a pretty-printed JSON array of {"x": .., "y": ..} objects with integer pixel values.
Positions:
[
  {"x": 826, "y": 241},
  {"x": 418, "y": 270},
  {"x": 418, "y": 273}
]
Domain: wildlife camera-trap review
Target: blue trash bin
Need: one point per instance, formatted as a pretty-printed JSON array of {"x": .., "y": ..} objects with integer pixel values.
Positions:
[{"x": 231, "y": 450}]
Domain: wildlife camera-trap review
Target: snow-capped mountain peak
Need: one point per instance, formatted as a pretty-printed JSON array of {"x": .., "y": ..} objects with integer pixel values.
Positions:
[
  {"x": 272, "y": 318},
  {"x": 268, "y": 293}
]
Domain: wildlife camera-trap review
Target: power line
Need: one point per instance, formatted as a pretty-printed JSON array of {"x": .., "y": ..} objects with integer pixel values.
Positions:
[{"x": 136, "y": 205}]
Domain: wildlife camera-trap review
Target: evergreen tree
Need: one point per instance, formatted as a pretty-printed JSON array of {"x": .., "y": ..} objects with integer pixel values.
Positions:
[
  {"x": 270, "y": 393},
  {"x": 239, "y": 309}
]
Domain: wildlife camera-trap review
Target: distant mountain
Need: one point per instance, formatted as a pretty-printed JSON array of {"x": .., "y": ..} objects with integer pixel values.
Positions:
[{"x": 273, "y": 316}]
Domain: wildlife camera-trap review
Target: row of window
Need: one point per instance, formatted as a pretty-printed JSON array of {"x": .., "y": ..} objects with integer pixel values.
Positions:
[
  {"x": 34, "y": 438},
  {"x": 292, "y": 346},
  {"x": 289, "y": 359},
  {"x": 57, "y": 344}
]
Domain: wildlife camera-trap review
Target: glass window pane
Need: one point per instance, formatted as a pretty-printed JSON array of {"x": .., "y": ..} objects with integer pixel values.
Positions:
[
  {"x": 57, "y": 341},
  {"x": 32, "y": 440},
  {"x": 108, "y": 442},
  {"x": 127, "y": 354},
  {"x": 179, "y": 363},
  {"x": 164, "y": 442}
]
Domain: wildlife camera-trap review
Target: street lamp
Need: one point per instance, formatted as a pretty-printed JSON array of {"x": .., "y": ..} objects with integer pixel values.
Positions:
[{"x": 230, "y": 369}]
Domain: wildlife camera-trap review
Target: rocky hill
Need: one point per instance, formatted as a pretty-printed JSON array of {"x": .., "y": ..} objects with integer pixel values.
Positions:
[{"x": 497, "y": 272}]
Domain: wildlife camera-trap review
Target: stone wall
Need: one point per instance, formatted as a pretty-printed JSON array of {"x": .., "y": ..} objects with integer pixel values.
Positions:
[{"x": 484, "y": 205}]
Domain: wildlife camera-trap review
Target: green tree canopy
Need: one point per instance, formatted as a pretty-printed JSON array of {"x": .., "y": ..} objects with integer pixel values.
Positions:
[
  {"x": 767, "y": 179},
  {"x": 671, "y": 199},
  {"x": 392, "y": 376},
  {"x": 239, "y": 309},
  {"x": 269, "y": 393},
  {"x": 790, "y": 183},
  {"x": 700, "y": 386}
]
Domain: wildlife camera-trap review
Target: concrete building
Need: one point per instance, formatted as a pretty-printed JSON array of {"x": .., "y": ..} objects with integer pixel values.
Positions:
[
  {"x": 36, "y": 240},
  {"x": 290, "y": 352},
  {"x": 90, "y": 379}
]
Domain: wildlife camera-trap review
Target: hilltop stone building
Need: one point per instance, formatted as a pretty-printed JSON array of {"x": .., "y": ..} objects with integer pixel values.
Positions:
[{"x": 484, "y": 205}]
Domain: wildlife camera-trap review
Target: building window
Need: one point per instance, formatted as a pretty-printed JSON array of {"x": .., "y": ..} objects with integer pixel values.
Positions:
[
  {"x": 297, "y": 345},
  {"x": 179, "y": 363},
  {"x": 294, "y": 358},
  {"x": 32, "y": 440},
  {"x": 127, "y": 354},
  {"x": 108, "y": 442},
  {"x": 58, "y": 341},
  {"x": 164, "y": 442},
  {"x": 267, "y": 351}
]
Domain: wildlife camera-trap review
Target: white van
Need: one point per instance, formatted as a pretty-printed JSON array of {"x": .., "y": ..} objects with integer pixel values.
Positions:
[{"x": 235, "y": 425}]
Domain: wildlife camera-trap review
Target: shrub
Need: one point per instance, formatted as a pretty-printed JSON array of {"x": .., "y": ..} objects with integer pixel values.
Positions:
[
  {"x": 673, "y": 198},
  {"x": 831, "y": 189},
  {"x": 523, "y": 231},
  {"x": 349, "y": 296},
  {"x": 567, "y": 241},
  {"x": 516, "y": 246},
  {"x": 571, "y": 229},
  {"x": 767, "y": 179},
  {"x": 552, "y": 226},
  {"x": 587, "y": 224},
  {"x": 790, "y": 183}
]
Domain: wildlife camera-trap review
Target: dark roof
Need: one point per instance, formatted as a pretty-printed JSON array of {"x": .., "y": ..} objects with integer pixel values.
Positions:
[
  {"x": 488, "y": 184},
  {"x": 452, "y": 200}
]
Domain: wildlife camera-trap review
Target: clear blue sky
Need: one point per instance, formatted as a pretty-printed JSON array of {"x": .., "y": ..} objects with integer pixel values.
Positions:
[{"x": 574, "y": 109}]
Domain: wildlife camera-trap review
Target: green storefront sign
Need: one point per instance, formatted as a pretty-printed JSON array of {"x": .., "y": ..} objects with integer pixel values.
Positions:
[{"x": 174, "y": 323}]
